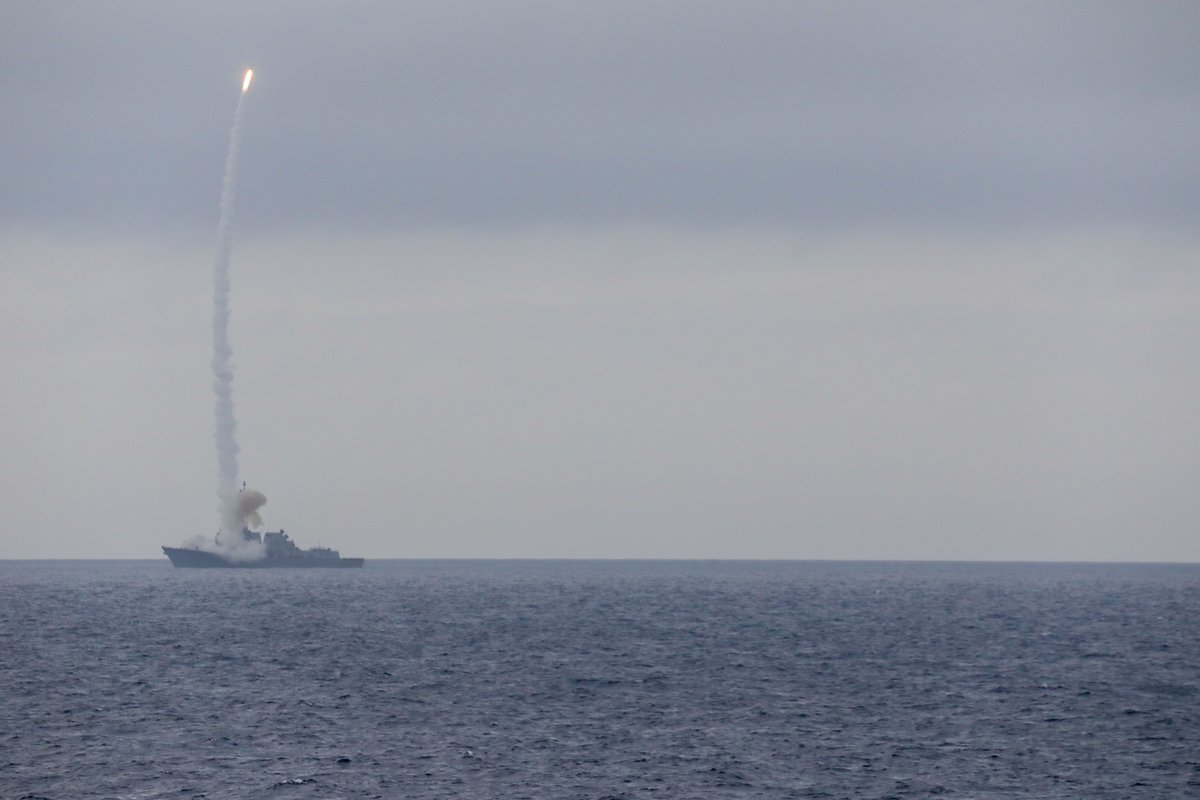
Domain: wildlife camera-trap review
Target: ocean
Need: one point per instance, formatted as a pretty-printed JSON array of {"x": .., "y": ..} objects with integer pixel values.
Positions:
[{"x": 600, "y": 679}]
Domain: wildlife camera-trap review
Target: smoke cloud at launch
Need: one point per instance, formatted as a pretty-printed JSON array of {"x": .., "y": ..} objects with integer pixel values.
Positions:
[
  {"x": 232, "y": 545},
  {"x": 249, "y": 502}
]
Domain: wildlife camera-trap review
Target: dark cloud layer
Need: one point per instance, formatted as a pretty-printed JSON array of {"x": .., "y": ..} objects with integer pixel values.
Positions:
[{"x": 832, "y": 114}]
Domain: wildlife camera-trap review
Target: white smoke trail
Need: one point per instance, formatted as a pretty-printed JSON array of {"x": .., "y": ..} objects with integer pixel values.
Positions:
[{"x": 225, "y": 432}]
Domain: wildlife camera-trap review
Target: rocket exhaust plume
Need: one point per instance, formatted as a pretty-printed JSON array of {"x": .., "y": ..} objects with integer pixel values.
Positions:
[{"x": 225, "y": 432}]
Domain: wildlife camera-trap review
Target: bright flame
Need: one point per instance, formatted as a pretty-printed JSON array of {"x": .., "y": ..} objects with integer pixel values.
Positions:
[{"x": 246, "y": 82}]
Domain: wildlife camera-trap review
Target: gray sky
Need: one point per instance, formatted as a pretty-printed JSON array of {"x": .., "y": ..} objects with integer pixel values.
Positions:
[{"x": 673, "y": 279}]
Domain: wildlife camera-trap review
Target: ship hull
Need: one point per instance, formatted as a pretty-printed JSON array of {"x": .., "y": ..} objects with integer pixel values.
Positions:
[{"x": 187, "y": 557}]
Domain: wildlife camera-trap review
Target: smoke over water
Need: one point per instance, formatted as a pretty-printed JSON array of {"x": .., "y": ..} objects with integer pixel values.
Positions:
[{"x": 229, "y": 501}]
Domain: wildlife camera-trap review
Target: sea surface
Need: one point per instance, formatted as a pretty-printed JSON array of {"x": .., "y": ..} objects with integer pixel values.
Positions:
[{"x": 600, "y": 679}]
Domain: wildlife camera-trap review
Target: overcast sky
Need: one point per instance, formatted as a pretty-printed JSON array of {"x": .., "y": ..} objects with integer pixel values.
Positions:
[{"x": 647, "y": 279}]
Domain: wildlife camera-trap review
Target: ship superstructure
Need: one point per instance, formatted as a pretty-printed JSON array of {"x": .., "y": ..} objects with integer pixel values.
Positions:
[{"x": 272, "y": 549}]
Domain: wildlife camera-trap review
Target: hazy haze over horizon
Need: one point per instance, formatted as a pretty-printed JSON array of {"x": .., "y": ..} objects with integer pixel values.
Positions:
[{"x": 621, "y": 280}]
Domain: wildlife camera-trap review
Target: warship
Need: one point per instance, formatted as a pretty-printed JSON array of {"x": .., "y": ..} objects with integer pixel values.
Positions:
[{"x": 276, "y": 548}]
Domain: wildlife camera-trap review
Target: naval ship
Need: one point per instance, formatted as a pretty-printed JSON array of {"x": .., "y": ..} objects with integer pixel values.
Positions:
[{"x": 278, "y": 551}]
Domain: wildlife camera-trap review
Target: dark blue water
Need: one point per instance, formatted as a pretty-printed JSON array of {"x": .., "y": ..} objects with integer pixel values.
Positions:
[{"x": 600, "y": 680}]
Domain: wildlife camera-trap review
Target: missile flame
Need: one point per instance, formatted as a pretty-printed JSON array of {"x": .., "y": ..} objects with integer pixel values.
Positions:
[{"x": 246, "y": 81}]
